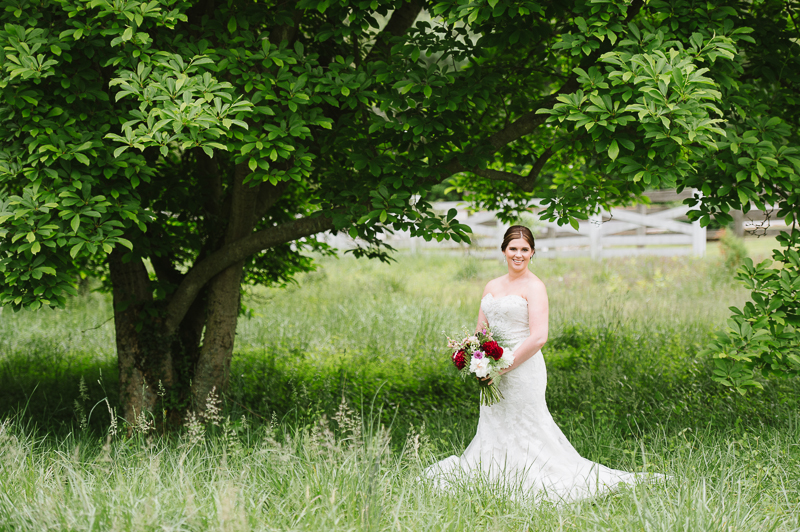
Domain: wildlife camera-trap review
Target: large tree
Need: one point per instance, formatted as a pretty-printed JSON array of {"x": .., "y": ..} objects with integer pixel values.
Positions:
[{"x": 178, "y": 149}]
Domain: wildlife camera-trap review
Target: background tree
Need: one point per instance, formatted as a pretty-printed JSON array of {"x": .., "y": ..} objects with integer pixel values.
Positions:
[{"x": 178, "y": 149}]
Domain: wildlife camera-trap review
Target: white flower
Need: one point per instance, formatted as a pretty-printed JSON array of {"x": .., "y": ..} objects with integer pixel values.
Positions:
[
  {"x": 506, "y": 360},
  {"x": 480, "y": 367},
  {"x": 473, "y": 341}
]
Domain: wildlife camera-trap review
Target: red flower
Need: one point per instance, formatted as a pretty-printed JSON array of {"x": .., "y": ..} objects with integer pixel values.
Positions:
[
  {"x": 492, "y": 350},
  {"x": 459, "y": 359}
]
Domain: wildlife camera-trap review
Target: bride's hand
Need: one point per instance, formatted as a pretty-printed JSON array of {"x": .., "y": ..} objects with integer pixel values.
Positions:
[{"x": 502, "y": 372}]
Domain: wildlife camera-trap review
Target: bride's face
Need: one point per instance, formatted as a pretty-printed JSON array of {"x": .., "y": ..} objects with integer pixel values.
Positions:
[{"x": 518, "y": 253}]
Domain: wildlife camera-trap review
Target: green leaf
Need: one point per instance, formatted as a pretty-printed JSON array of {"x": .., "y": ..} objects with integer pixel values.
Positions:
[
  {"x": 75, "y": 249},
  {"x": 613, "y": 150},
  {"x": 75, "y": 223},
  {"x": 743, "y": 197},
  {"x": 232, "y": 24},
  {"x": 574, "y": 223},
  {"x": 628, "y": 144},
  {"x": 55, "y": 49}
]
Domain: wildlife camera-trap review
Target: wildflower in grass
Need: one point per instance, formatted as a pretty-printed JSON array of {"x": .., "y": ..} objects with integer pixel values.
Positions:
[
  {"x": 143, "y": 424},
  {"x": 231, "y": 438},
  {"x": 83, "y": 391},
  {"x": 213, "y": 412},
  {"x": 195, "y": 431},
  {"x": 81, "y": 414},
  {"x": 80, "y": 411},
  {"x": 112, "y": 412}
]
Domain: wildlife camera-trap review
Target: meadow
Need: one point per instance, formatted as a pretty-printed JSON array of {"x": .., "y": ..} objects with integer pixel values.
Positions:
[{"x": 342, "y": 393}]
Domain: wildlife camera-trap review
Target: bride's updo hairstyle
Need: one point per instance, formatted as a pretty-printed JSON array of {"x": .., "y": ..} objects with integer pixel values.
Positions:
[{"x": 518, "y": 231}]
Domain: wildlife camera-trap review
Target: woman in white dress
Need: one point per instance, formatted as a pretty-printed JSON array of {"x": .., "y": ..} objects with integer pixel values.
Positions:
[{"x": 517, "y": 443}]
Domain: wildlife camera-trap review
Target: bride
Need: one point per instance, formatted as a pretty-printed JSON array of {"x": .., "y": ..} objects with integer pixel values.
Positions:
[{"x": 517, "y": 442}]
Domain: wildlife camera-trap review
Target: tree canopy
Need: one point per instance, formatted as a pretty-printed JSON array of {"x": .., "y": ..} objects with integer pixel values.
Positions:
[{"x": 176, "y": 148}]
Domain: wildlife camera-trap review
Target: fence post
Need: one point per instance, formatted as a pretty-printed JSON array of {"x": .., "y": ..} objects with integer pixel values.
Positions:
[
  {"x": 738, "y": 223},
  {"x": 641, "y": 231},
  {"x": 595, "y": 238},
  {"x": 698, "y": 240}
]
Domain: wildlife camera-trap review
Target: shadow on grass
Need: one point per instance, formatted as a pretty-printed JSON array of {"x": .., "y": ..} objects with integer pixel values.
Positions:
[{"x": 626, "y": 383}]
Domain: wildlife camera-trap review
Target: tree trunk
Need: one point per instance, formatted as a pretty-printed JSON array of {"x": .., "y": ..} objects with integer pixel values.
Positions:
[
  {"x": 214, "y": 361},
  {"x": 151, "y": 358},
  {"x": 213, "y": 366},
  {"x": 144, "y": 359}
]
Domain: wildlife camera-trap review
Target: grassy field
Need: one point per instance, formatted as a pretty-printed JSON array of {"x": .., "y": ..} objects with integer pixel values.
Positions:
[{"x": 341, "y": 393}]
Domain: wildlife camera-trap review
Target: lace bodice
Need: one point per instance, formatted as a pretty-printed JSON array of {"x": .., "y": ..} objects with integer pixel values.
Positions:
[{"x": 508, "y": 318}]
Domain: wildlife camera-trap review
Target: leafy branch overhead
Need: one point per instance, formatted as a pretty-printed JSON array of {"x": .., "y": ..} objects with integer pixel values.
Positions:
[{"x": 197, "y": 135}]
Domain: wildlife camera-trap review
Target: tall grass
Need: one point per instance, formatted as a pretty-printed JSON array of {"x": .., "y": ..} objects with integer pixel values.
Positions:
[
  {"x": 344, "y": 475},
  {"x": 341, "y": 394}
]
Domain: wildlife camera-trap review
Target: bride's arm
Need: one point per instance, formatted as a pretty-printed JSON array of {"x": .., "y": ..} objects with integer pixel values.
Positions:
[
  {"x": 538, "y": 313},
  {"x": 482, "y": 321}
]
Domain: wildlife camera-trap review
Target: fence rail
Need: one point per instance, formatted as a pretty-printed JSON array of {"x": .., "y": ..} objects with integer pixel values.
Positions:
[{"x": 660, "y": 228}]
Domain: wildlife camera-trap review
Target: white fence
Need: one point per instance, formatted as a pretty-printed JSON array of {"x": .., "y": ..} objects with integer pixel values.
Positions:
[{"x": 642, "y": 230}]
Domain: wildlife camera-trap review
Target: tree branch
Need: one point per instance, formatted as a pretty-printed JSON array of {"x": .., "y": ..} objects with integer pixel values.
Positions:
[
  {"x": 398, "y": 25},
  {"x": 165, "y": 270},
  {"x": 525, "y": 182},
  {"x": 525, "y": 124},
  {"x": 268, "y": 195},
  {"x": 229, "y": 254},
  {"x": 243, "y": 205},
  {"x": 286, "y": 32},
  {"x": 208, "y": 170}
]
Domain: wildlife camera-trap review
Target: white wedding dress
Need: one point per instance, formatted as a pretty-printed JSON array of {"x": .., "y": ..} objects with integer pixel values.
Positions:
[{"x": 518, "y": 445}]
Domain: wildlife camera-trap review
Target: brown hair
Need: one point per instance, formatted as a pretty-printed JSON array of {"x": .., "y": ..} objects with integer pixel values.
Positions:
[{"x": 518, "y": 231}]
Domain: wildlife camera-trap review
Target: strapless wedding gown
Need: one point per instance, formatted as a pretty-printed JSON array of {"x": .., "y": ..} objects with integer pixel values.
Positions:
[{"x": 518, "y": 445}]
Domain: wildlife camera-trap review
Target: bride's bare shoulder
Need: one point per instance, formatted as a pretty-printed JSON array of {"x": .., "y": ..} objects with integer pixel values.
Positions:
[
  {"x": 493, "y": 285},
  {"x": 535, "y": 286},
  {"x": 534, "y": 280}
]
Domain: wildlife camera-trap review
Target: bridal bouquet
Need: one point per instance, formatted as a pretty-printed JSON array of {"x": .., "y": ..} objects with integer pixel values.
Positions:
[{"x": 481, "y": 355}]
